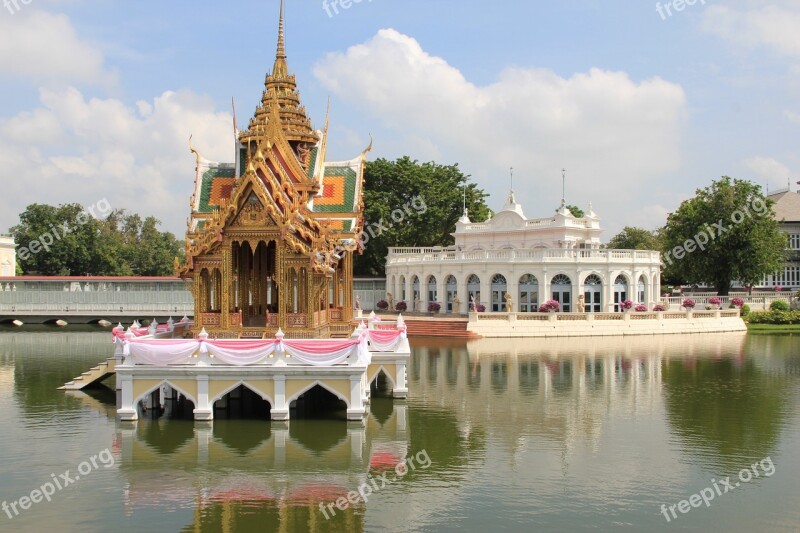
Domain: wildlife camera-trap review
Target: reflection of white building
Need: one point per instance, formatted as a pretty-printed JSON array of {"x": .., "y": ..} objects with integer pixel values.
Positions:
[
  {"x": 8, "y": 256},
  {"x": 534, "y": 260}
]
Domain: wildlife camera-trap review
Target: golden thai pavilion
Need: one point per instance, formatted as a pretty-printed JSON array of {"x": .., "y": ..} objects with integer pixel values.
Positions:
[{"x": 271, "y": 237}]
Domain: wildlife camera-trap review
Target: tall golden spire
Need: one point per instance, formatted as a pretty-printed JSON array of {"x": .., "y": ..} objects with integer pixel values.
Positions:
[
  {"x": 281, "y": 69},
  {"x": 281, "y": 92}
]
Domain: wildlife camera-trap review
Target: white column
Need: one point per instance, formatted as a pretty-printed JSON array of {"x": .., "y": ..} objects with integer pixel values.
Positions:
[
  {"x": 127, "y": 411},
  {"x": 203, "y": 410},
  {"x": 356, "y": 410},
  {"x": 400, "y": 384},
  {"x": 280, "y": 411}
]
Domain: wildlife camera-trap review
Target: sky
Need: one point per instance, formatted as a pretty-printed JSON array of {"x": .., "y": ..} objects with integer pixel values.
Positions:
[{"x": 641, "y": 102}]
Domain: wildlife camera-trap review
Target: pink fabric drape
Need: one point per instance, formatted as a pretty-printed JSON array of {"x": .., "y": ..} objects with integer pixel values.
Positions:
[
  {"x": 241, "y": 353},
  {"x": 385, "y": 340}
]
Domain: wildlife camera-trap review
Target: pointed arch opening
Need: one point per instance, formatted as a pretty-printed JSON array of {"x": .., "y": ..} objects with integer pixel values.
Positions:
[
  {"x": 165, "y": 401},
  {"x": 241, "y": 403},
  {"x": 317, "y": 402}
]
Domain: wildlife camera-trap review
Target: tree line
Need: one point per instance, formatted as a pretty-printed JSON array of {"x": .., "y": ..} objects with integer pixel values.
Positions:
[{"x": 69, "y": 240}]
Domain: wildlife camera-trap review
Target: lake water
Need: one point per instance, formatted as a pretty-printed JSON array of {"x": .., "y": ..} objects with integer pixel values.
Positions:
[{"x": 530, "y": 435}]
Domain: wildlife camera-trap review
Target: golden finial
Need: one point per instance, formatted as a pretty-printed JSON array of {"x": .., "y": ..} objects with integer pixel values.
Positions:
[
  {"x": 195, "y": 152},
  {"x": 367, "y": 149},
  {"x": 281, "y": 38}
]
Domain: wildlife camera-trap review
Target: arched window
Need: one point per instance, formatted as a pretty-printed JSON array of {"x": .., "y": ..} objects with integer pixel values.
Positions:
[
  {"x": 474, "y": 290},
  {"x": 414, "y": 293},
  {"x": 528, "y": 293},
  {"x": 620, "y": 291},
  {"x": 402, "y": 288},
  {"x": 432, "y": 293},
  {"x": 561, "y": 291},
  {"x": 640, "y": 290},
  {"x": 451, "y": 290},
  {"x": 499, "y": 287},
  {"x": 592, "y": 293}
]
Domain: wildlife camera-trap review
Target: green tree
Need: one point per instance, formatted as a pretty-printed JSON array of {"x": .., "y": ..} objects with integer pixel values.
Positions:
[
  {"x": 576, "y": 211},
  {"x": 408, "y": 203},
  {"x": 726, "y": 232},
  {"x": 632, "y": 238},
  {"x": 66, "y": 240}
]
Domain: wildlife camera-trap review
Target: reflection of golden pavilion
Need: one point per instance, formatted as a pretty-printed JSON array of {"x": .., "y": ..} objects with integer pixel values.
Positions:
[
  {"x": 280, "y": 475},
  {"x": 271, "y": 237}
]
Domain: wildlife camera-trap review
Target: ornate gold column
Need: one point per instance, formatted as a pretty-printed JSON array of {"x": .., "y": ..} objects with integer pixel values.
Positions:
[{"x": 224, "y": 296}]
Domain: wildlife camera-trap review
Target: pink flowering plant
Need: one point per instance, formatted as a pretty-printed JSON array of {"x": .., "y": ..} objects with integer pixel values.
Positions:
[
  {"x": 549, "y": 306},
  {"x": 641, "y": 308},
  {"x": 737, "y": 302},
  {"x": 626, "y": 305},
  {"x": 659, "y": 307},
  {"x": 714, "y": 300},
  {"x": 688, "y": 303}
]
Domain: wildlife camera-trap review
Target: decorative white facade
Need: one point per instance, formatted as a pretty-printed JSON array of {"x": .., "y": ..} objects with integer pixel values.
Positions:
[
  {"x": 8, "y": 256},
  {"x": 532, "y": 260}
]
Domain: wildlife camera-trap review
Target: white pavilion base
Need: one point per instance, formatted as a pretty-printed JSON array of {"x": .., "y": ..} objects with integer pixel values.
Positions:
[
  {"x": 277, "y": 378},
  {"x": 501, "y": 325}
]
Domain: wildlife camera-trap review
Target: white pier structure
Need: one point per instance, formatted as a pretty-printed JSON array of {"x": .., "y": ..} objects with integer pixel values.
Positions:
[{"x": 278, "y": 370}]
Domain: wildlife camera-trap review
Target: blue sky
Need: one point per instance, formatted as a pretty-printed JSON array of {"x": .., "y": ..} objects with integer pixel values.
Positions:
[{"x": 100, "y": 97}]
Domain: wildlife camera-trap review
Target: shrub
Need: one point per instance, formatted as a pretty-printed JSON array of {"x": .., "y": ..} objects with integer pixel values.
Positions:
[
  {"x": 774, "y": 317},
  {"x": 383, "y": 305},
  {"x": 745, "y": 310},
  {"x": 641, "y": 308},
  {"x": 480, "y": 308},
  {"x": 401, "y": 306},
  {"x": 737, "y": 302},
  {"x": 714, "y": 300},
  {"x": 625, "y": 304},
  {"x": 688, "y": 303},
  {"x": 549, "y": 305},
  {"x": 779, "y": 305},
  {"x": 434, "y": 307},
  {"x": 659, "y": 307}
]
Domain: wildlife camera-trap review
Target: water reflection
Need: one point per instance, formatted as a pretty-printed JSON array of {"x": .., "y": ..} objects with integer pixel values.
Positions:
[{"x": 545, "y": 434}]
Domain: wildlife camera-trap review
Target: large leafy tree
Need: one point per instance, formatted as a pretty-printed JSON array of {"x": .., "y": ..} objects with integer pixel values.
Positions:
[
  {"x": 407, "y": 203},
  {"x": 726, "y": 232},
  {"x": 632, "y": 238},
  {"x": 67, "y": 240}
]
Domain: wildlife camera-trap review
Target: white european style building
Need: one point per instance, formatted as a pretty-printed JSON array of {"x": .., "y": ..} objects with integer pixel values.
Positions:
[{"x": 533, "y": 260}]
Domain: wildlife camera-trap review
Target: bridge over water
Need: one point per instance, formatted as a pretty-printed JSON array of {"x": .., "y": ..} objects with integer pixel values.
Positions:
[
  {"x": 85, "y": 300},
  {"x": 89, "y": 299}
]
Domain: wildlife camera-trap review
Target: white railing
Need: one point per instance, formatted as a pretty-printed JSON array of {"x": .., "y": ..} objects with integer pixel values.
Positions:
[
  {"x": 755, "y": 302},
  {"x": 632, "y": 315},
  {"x": 429, "y": 255}
]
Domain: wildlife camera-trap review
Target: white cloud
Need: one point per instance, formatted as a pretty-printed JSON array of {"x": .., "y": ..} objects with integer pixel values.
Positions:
[
  {"x": 616, "y": 136},
  {"x": 769, "y": 169},
  {"x": 92, "y": 148},
  {"x": 43, "y": 47},
  {"x": 776, "y": 27}
]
